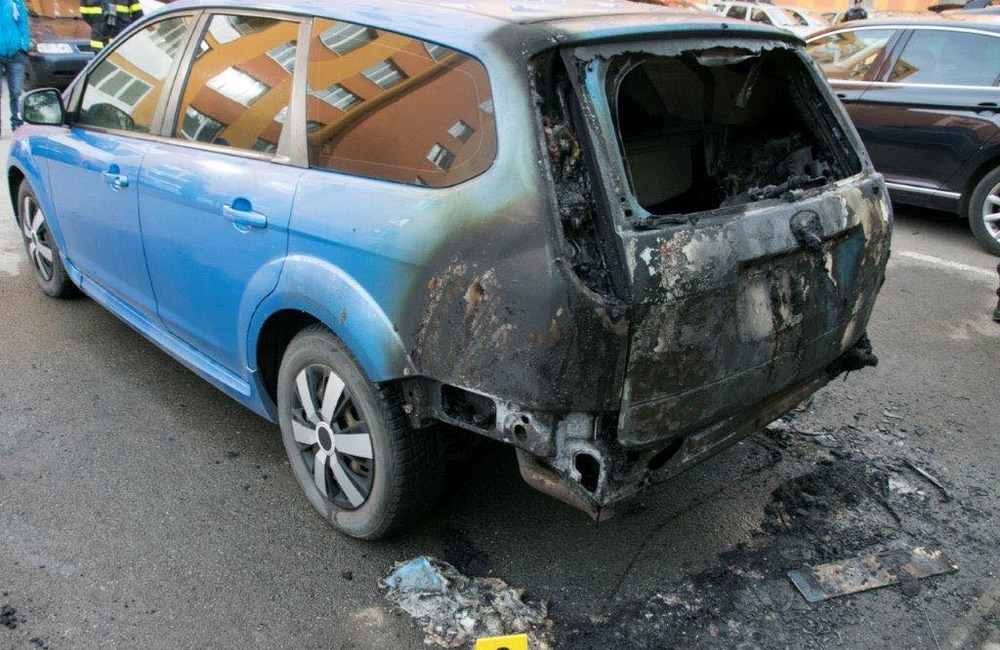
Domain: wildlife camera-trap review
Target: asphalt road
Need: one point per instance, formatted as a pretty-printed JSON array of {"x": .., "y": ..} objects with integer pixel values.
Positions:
[{"x": 140, "y": 508}]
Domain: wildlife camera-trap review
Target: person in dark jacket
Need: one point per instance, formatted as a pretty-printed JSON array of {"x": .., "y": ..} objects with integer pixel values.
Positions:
[
  {"x": 996, "y": 312},
  {"x": 857, "y": 12},
  {"x": 14, "y": 40},
  {"x": 107, "y": 19}
]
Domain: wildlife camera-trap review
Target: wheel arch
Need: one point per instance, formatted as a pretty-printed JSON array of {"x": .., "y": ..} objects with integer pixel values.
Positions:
[
  {"x": 14, "y": 179},
  {"x": 24, "y": 166},
  {"x": 979, "y": 170},
  {"x": 311, "y": 291},
  {"x": 276, "y": 333}
]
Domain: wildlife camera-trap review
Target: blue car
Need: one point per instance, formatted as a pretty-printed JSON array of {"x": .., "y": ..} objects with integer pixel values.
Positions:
[{"x": 616, "y": 237}]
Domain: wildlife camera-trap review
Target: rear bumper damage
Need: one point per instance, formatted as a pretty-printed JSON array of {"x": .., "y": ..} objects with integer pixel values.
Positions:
[
  {"x": 594, "y": 476},
  {"x": 739, "y": 240},
  {"x": 577, "y": 457}
]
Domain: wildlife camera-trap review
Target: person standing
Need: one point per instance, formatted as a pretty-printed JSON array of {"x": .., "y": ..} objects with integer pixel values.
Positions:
[
  {"x": 857, "y": 12},
  {"x": 107, "y": 19},
  {"x": 14, "y": 40},
  {"x": 996, "y": 312}
]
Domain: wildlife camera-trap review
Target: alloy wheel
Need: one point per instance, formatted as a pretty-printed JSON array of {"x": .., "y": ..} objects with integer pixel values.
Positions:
[
  {"x": 333, "y": 437},
  {"x": 37, "y": 237},
  {"x": 991, "y": 212}
]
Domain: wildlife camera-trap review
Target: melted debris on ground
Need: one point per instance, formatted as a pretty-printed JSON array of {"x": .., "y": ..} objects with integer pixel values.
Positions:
[
  {"x": 862, "y": 492},
  {"x": 455, "y": 609},
  {"x": 857, "y": 574}
]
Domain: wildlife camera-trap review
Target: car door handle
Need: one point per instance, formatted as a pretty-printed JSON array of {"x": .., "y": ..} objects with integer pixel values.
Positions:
[
  {"x": 241, "y": 214},
  {"x": 115, "y": 178}
]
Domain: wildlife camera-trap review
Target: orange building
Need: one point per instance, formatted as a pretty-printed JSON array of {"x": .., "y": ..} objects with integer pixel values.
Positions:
[
  {"x": 823, "y": 6},
  {"x": 422, "y": 111}
]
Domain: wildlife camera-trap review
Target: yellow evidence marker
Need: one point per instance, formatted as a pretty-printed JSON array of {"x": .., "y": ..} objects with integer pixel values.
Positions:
[{"x": 509, "y": 642}]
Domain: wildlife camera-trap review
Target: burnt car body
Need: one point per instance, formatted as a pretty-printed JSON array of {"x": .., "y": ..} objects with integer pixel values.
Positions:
[
  {"x": 925, "y": 98},
  {"x": 672, "y": 234},
  {"x": 60, "y": 43}
]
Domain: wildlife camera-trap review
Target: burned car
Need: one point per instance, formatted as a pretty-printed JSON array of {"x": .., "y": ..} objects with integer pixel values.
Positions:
[{"x": 618, "y": 238}]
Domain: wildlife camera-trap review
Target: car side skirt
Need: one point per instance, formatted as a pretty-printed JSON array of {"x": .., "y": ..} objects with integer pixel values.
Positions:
[
  {"x": 924, "y": 197},
  {"x": 235, "y": 387}
]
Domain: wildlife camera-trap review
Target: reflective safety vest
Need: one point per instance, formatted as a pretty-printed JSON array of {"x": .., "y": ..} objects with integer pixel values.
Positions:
[{"x": 107, "y": 18}]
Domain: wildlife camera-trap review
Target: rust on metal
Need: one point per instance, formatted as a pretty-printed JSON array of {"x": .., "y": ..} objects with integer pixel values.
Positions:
[{"x": 869, "y": 572}]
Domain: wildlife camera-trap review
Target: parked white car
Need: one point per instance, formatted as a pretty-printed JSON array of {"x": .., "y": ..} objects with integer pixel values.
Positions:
[
  {"x": 808, "y": 17},
  {"x": 793, "y": 20}
]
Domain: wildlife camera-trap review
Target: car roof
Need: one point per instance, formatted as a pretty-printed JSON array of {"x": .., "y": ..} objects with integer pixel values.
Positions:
[
  {"x": 750, "y": 3},
  {"x": 952, "y": 20},
  {"x": 531, "y": 21},
  {"x": 474, "y": 11}
]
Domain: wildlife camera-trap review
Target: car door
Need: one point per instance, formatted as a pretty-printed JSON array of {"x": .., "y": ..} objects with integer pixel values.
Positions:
[
  {"x": 851, "y": 59},
  {"x": 934, "y": 107},
  {"x": 215, "y": 196},
  {"x": 97, "y": 161}
]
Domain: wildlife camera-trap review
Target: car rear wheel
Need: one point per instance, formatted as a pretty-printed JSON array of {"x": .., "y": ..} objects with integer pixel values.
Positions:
[
  {"x": 43, "y": 254},
  {"x": 984, "y": 211},
  {"x": 360, "y": 463}
]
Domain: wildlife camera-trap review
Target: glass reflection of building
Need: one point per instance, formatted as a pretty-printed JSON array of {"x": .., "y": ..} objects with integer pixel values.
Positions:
[
  {"x": 240, "y": 79},
  {"x": 126, "y": 79},
  {"x": 388, "y": 106},
  {"x": 379, "y": 104}
]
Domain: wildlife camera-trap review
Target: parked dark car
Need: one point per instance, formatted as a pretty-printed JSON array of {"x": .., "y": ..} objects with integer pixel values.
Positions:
[
  {"x": 616, "y": 237},
  {"x": 60, "y": 43},
  {"x": 925, "y": 100}
]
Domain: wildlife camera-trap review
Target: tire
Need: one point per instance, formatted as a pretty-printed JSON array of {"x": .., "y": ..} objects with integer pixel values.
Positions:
[
  {"x": 984, "y": 211},
  {"x": 373, "y": 481},
  {"x": 40, "y": 245}
]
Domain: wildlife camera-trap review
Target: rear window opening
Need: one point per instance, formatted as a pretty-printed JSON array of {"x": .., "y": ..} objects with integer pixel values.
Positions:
[{"x": 723, "y": 127}]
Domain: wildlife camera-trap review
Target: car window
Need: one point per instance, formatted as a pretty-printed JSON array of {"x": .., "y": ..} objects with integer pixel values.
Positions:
[
  {"x": 239, "y": 84},
  {"x": 948, "y": 57},
  {"x": 758, "y": 16},
  {"x": 798, "y": 18},
  {"x": 783, "y": 17},
  {"x": 123, "y": 90},
  {"x": 387, "y": 106},
  {"x": 737, "y": 11},
  {"x": 852, "y": 55}
]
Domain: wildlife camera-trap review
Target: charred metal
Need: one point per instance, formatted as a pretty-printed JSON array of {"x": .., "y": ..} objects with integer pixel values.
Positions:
[
  {"x": 719, "y": 127},
  {"x": 858, "y": 357},
  {"x": 715, "y": 248},
  {"x": 587, "y": 240},
  {"x": 427, "y": 402}
]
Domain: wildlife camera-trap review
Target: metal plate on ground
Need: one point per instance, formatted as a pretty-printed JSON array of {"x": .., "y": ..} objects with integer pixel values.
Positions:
[{"x": 869, "y": 572}]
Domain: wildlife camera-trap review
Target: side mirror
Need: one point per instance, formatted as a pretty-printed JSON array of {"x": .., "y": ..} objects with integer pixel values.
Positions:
[{"x": 43, "y": 106}]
